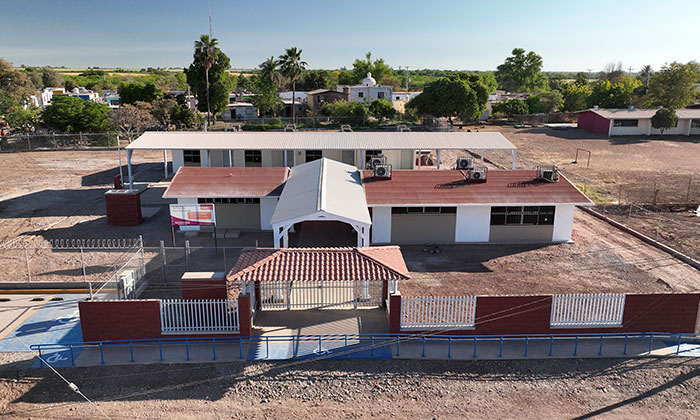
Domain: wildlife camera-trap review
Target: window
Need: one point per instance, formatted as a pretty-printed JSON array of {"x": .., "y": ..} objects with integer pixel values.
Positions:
[
  {"x": 253, "y": 158},
  {"x": 625, "y": 123},
  {"x": 360, "y": 94},
  {"x": 369, "y": 154},
  {"x": 191, "y": 156},
  {"x": 225, "y": 200},
  {"x": 380, "y": 95},
  {"x": 517, "y": 215},
  {"x": 695, "y": 123},
  {"x": 398, "y": 98},
  {"x": 312, "y": 155},
  {"x": 423, "y": 210}
]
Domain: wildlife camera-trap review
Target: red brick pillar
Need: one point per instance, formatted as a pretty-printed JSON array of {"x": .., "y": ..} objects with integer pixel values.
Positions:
[
  {"x": 385, "y": 291},
  {"x": 395, "y": 313},
  {"x": 258, "y": 302},
  {"x": 244, "y": 321}
]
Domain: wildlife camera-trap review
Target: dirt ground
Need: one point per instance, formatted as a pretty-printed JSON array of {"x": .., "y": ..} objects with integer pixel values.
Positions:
[{"x": 384, "y": 389}]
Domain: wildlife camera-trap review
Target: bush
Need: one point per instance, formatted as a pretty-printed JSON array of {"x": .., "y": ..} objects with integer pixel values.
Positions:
[{"x": 511, "y": 107}]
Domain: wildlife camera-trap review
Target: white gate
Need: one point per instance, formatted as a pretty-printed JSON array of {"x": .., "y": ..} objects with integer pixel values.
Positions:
[
  {"x": 438, "y": 312},
  {"x": 587, "y": 311},
  {"x": 318, "y": 294},
  {"x": 199, "y": 316}
]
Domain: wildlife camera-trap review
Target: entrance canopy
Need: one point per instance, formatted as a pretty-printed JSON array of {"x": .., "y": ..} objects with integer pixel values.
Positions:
[{"x": 322, "y": 190}]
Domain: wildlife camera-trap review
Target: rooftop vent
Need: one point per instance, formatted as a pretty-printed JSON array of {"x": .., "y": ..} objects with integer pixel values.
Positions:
[
  {"x": 402, "y": 127},
  {"x": 290, "y": 127},
  {"x": 464, "y": 163},
  {"x": 382, "y": 171},
  {"x": 595, "y": 106},
  {"x": 478, "y": 174},
  {"x": 377, "y": 160},
  {"x": 346, "y": 128},
  {"x": 549, "y": 173}
]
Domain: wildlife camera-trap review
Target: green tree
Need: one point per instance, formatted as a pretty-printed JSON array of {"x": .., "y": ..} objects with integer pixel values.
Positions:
[
  {"x": 575, "y": 96},
  {"x": 183, "y": 117},
  {"x": 510, "y": 107},
  {"x": 381, "y": 108},
  {"x": 462, "y": 96},
  {"x": 14, "y": 83},
  {"x": 162, "y": 110},
  {"x": 645, "y": 75},
  {"x": 545, "y": 102},
  {"x": 606, "y": 94},
  {"x": 266, "y": 99},
  {"x": 664, "y": 119},
  {"x": 378, "y": 68},
  {"x": 315, "y": 79},
  {"x": 675, "y": 85},
  {"x": 17, "y": 115},
  {"x": 208, "y": 77},
  {"x": 72, "y": 115},
  {"x": 581, "y": 78},
  {"x": 292, "y": 67},
  {"x": 344, "y": 109},
  {"x": 130, "y": 93},
  {"x": 270, "y": 72},
  {"x": 521, "y": 72}
]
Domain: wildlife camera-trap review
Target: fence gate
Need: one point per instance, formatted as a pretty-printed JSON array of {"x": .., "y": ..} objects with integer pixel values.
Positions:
[{"x": 318, "y": 294}]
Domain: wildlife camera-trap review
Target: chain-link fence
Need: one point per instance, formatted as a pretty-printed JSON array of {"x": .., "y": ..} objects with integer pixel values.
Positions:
[{"x": 56, "y": 141}]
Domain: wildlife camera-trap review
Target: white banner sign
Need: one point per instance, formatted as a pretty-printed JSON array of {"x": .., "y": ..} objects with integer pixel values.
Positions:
[{"x": 192, "y": 214}]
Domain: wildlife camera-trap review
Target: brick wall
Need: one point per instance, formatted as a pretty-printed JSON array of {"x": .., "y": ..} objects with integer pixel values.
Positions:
[
  {"x": 119, "y": 320},
  {"x": 204, "y": 289},
  {"x": 123, "y": 207}
]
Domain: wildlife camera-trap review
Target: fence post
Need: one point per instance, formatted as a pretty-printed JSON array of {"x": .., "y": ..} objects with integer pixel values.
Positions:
[
  {"x": 162, "y": 260},
  {"x": 82, "y": 264},
  {"x": 29, "y": 143},
  {"x": 26, "y": 257},
  {"x": 187, "y": 253}
]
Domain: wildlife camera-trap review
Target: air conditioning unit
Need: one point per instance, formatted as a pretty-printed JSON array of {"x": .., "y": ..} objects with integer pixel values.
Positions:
[
  {"x": 478, "y": 174},
  {"x": 382, "y": 171},
  {"x": 549, "y": 173},
  {"x": 465, "y": 163},
  {"x": 377, "y": 160}
]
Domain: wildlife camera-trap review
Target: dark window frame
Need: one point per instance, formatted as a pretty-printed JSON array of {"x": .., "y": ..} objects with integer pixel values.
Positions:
[
  {"x": 627, "y": 122},
  {"x": 313, "y": 154},
  {"x": 522, "y": 215},
  {"x": 192, "y": 156},
  {"x": 252, "y": 156}
]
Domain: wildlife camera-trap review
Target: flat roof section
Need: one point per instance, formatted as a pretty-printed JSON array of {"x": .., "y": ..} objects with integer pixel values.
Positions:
[
  {"x": 218, "y": 182},
  {"x": 319, "y": 140},
  {"x": 626, "y": 113},
  {"x": 447, "y": 187}
]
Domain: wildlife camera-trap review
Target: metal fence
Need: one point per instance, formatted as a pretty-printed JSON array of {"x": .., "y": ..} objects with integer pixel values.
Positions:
[
  {"x": 438, "y": 312},
  {"x": 56, "y": 141},
  {"x": 316, "y": 294},
  {"x": 199, "y": 316},
  {"x": 598, "y": 310}
]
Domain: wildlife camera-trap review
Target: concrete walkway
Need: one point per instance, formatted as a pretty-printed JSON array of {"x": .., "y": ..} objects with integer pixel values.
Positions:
[{"x": 308, "y": 348}]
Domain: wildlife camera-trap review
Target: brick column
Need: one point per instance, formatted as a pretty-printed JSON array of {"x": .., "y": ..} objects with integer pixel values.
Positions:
[
  {"x": 244, "y": 321},
  {"x": 395, "y": 313}
]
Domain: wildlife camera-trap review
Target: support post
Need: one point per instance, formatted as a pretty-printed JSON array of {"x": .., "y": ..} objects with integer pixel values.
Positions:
[
  {"x": 438, "y": 158},
  {"x": 515, "y": 156},
  {"x": 26, "y": 257},
  {"x": 82, "y": 264},
  {"x": 129, "y": 152},
  {"x": 205, "y": 158},
  {"x": 165, "y": 163},
  {"x": 284, "y": 158},
  {"x": 119, "y": 156}
]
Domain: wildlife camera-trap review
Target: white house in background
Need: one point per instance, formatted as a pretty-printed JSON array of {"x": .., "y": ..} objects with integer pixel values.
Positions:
[
  {"x": 404, "y": 96},
  {"x": 636, "y": 122},
  {"x": 368, "y": 91},
  {"x": 239, "y": 111},
  {"x": 298, "y": 96}
]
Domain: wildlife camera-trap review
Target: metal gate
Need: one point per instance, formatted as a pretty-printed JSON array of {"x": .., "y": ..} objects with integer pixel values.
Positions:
[{"x": 341, "y": 294}]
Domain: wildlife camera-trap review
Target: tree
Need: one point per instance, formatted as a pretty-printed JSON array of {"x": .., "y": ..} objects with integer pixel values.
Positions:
[
  {"x": 130, "y": 93},
  {"x": 575, "y": 96},
  {"x": 270, "y": 72},
  {"x": 675, "y": 85},
  {"x": 645, "y": 74},
  {"x": 664, "y": 119},
  {"x": 612, "y": 72},
  {"x": 72, "y": 115},
  {"x": 315, "y": 79},
  {"x": 613, "y": 95},
  {"x": 545, "y": 102},
  {"x": 183, "y": 117},
  {"x": 581, "y": 78},
  {"x": 17, "y": 115},
  {"x": 162, "y": 110},
  {"x": 14, "y": 83},
  {"x": 378, "y": 68},
  {"x": 521, "y": 72},
  {"x": 132, "y": 119},
  {"x": 462, "y": 96},
  {"x": 208, "y": 77},
  {"x": 266, "y": 99},
  {"x": 292, "y": 67},
  {"x": 381, "y": 108},
  {"x": 345, "y": 109},
  {"x": 510, "y": 107}
]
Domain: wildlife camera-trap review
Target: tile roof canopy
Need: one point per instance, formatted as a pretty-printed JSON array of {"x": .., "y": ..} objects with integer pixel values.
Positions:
[
  {"x": 319, "y": 264},
  {"x": 319, "y": 140},
  {"x": 447, "y": 187},
  {"x": 218, "y": 182},
  {"x": 624, "y": 113},
  {"x": 322, "y": 187}
]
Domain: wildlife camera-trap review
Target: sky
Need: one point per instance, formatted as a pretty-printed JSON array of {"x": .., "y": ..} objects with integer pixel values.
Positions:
[{"x": 455, "y": 35}]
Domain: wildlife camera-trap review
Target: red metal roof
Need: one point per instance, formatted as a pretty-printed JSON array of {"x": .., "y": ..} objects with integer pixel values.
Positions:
[
  {"x": 217, "y": 182},
  {"x": 447, "y": 187},
  {"x": 319, "y": 264}
]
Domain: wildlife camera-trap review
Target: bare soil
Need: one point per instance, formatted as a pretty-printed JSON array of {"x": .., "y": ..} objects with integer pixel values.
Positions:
[{"x": 385, "y": 389}]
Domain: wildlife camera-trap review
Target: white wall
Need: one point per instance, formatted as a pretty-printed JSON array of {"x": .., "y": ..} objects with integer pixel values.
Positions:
[
  {"x": 370, "y": 93},
  {"x": 642, "y": 129},
  {"x": 381, "y": 225},
  {"x": 178, "y": 159},
  {"x": 563, "y": 223},
  {"x": 473, "y": 224},
  {"x": 239, "y": 158},
  {"x": 267, "y": 208}
]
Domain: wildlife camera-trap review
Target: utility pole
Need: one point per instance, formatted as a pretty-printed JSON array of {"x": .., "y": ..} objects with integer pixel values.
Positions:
[
  {"x": 589, "y": 74},
  {"x": 630, "y": 70}
]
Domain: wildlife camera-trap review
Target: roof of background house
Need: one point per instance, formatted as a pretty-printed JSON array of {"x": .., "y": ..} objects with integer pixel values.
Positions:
[
  {"x": 326, "y": 186},
  {"x": 219, "y": 182},
  {"x": 317, "y": 91},
  {"x": 447, "y": 187},
  {"x": 625, "y": 113},
  {"x": 320, "y": 140},
  {"x": 317, "y": 264}
]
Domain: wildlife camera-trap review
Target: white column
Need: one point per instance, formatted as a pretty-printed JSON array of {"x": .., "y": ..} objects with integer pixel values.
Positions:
[
  {"x": 284, "y": 157},
  {"x": 438, "y": 158},
  {"x": 419, "y": 156},
  {"x": 230, "y": 158},
  {"x": 563, "y": 223},
  {"x": 205, "y": 158},
  {"x": 128, "y": 166},
  {"x": 515, "y": 156},
  {"x": 285, "y": 238},
  {"x": 165, "y": 162},
  {"x": 381, "y": 222}
]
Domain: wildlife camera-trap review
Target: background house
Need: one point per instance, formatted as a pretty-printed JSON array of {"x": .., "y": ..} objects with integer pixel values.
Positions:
[
  {"x": 368, "y": 91},
  {"x": 635, "y": 122},
  {"x": 316, "y": 98}
]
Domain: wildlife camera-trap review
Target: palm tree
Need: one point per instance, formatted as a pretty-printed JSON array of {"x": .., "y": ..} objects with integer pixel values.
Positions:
[
  {"x": 292, "y": 67},
  {"x": 270, "y": 72},
  {"x": 206, "y": 49}
]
